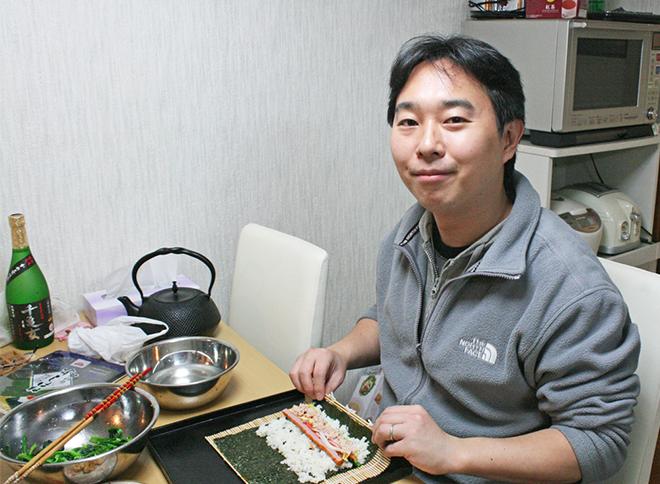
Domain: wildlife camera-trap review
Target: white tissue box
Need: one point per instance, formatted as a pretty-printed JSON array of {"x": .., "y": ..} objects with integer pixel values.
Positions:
[{"x": 100, "y": 310}]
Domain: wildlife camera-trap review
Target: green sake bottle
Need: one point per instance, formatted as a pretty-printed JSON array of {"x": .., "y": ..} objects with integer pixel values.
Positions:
[{"x": 28, "y": 298}]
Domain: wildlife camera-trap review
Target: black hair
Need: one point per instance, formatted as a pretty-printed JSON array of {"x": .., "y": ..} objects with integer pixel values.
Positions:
[{"x": 479, "y": 60}]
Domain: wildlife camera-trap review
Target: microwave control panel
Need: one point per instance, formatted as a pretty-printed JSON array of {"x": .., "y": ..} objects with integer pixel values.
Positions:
[{"x": 653, "y": 91}]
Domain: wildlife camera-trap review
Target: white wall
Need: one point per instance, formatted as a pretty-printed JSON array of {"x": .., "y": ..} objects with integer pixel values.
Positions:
[{"x": 126, "y": 126}]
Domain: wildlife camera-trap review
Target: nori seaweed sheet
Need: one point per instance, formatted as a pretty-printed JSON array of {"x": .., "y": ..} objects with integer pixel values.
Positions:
[{"x": 257, "y": 463}]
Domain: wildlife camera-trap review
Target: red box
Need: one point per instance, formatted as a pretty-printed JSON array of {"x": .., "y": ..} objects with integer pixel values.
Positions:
[{"x": 556, "y": 8}]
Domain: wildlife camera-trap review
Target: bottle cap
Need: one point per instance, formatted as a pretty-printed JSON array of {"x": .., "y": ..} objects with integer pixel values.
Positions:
[
  {"x": 17, "y": 220},
  {"x": 18, "y": 235}
]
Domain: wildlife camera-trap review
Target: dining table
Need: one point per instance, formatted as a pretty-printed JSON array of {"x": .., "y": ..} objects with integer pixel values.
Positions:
[{"x": 254, "y": 377}]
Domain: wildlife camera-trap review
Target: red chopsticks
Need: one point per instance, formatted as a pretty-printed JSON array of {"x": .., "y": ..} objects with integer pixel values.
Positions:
[{"x": 54, "y": 446}]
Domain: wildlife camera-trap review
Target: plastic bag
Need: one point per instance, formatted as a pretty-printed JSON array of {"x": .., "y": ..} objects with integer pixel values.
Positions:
[
  {"x": 117, "y": 340},
  {"x": 65, "y": 318},
  {"x": 154, "y": 274}
]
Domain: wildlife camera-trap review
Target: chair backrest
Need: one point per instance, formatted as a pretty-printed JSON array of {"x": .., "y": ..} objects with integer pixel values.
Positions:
[
  {"x": 278, "y": 293},
  {"x": 641, "y": 292}
]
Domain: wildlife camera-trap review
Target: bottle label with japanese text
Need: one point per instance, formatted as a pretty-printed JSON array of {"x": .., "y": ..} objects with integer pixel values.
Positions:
[
  {"x": 31, "y": 322},
  {"x": 20, "y": 267}
]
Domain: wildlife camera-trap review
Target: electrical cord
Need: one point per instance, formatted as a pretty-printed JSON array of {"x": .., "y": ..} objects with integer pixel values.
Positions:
[{"x": 593, "y": 162}]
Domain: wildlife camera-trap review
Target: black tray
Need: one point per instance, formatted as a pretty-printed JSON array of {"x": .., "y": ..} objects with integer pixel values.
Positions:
[{"x": 186, "y": 457}]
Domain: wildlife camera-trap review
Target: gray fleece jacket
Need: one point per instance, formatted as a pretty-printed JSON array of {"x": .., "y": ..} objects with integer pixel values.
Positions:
[{"x": 533, "y": 335}]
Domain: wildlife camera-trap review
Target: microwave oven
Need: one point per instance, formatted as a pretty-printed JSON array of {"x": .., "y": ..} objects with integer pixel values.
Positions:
[{"x": 585, "y": 81}]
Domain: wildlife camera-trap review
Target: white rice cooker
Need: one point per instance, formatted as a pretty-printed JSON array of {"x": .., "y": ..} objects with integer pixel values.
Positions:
[
  {"x": 619, "y": 215},
  {"x": 580, "y": 218}
]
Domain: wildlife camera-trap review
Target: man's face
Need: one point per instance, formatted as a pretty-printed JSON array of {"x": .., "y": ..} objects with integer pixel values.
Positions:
[{"x": 445, "y": 142}]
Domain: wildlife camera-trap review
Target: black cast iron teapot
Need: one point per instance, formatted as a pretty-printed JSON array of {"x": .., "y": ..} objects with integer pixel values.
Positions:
[{"x": 187, "y": 311}]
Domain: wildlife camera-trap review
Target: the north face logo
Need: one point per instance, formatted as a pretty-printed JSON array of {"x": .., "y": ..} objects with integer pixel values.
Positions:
[{"x": 479, "y": 349}]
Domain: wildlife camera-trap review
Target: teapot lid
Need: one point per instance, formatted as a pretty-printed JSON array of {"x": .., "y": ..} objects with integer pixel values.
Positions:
[{"x": 176, "y": 295}]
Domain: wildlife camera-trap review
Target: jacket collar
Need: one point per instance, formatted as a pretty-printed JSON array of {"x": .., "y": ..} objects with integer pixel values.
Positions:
[{"x": 506, "y": 256}]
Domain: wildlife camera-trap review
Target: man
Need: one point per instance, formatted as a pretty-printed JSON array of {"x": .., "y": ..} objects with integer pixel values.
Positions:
[{"x": 508, "y": 354}]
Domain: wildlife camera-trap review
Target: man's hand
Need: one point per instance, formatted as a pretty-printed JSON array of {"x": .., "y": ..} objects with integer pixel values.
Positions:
[
  {"x": 410, "y": 432},
  {"x": 318, "y": 371},
  {"x": 544, "y": 456}
]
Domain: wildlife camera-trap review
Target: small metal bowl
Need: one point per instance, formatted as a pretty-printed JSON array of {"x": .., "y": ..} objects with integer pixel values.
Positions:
[
  {"x": 49, "y": 416},
  {"x": 186, "y": 372}
]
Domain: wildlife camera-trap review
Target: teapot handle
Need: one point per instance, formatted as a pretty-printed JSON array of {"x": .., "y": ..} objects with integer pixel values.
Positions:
[{"x": 172, "y": 250}]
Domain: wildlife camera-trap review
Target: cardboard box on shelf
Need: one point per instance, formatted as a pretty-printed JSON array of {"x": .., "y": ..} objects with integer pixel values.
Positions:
[
  {"x": 556, "y": 9},
  {"x": 100, "y": 310}
]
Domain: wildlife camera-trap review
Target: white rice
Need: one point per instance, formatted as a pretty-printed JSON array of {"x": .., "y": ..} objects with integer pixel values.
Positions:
[{"x": 308, "y": 462}]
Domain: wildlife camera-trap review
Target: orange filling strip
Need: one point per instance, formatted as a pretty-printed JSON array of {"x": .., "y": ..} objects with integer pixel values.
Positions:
[{"x": 309, "y": 432}]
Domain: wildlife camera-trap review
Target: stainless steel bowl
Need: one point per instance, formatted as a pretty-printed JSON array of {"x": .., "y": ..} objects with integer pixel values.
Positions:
[
  {"x": 186, "y": 372},
  {"x": 48, "y": 416}
]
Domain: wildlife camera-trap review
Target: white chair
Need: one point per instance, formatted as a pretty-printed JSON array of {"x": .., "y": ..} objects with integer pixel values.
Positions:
[
  {"x": 641, "y": 291},
  {"x": 278, "y": 293}
]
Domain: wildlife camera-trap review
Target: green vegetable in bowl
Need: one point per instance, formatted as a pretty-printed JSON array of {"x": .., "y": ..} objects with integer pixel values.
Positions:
[{"x": 97, "y": 446}]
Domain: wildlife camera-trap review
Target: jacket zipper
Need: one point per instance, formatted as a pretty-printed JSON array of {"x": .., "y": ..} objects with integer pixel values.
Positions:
[
  {"x": 418, "y": 340},
  {"x": 418, "y": 335},
  {"x": 436, "y": 273},
  {"x": 419, "y": 283}
]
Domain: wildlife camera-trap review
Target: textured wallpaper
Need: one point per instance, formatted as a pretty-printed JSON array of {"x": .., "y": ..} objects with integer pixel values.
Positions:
[{"x": 126, "y": 126}]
